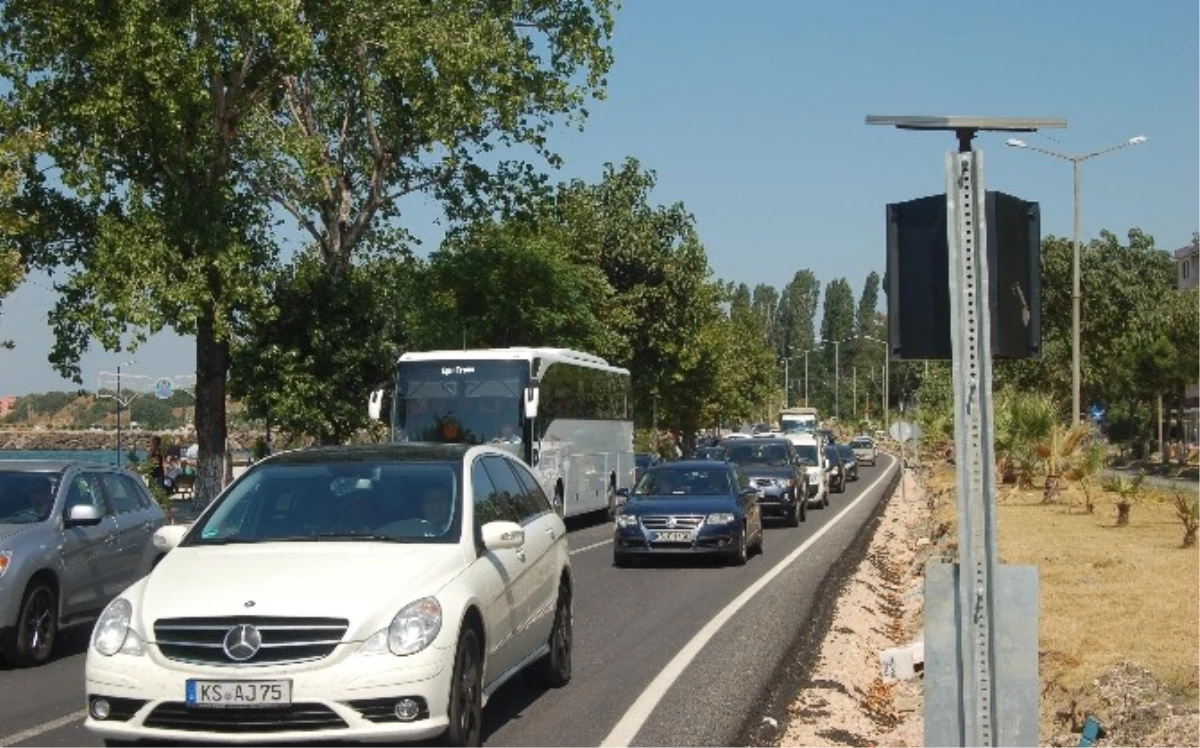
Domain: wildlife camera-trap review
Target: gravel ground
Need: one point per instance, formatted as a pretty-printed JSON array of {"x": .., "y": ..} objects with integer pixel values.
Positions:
[{"x": 846, "y": 702}]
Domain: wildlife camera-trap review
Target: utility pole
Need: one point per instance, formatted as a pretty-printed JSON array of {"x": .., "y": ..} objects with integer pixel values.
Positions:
[
  {"x": 1076, "y": 160},
  {"x": 981, "y": 616}
]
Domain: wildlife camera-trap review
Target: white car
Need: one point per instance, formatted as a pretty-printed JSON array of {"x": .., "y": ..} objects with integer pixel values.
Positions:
[
  {"x": 374, "y": 593},
  {"x": 810, "y": 450}
]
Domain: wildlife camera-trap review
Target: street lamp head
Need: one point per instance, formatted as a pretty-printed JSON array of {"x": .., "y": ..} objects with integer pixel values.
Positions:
[
  {"x": 1015, "y": 143},
  {"x": 1137, "y": 140}
]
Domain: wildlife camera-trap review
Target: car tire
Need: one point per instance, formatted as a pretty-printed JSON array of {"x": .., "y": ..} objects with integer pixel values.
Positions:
[
  {"x": 762, "y": 535},
  {"x": 742, "y": 553},
  {"x": 32, "y": 641},
  {"x": 465, "y": 711},
  {"x": 825, "y": 500},
  {"x": 554, "y": 670},
  {"x": 793, "y": 516}
]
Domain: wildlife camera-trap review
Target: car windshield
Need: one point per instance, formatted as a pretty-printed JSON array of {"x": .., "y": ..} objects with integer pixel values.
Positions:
[
  {"x": 685, "y": 482},
  {"x": 26, "y": 497},
  {"x": 861, "y": 444},
  {"x": 386, "y": 501},
  {"x": 757, "y": 453},
  {"x": 845, "y": 451},
  {"x": 807, "y": 453},
  {"x": 710, "y": 453}
]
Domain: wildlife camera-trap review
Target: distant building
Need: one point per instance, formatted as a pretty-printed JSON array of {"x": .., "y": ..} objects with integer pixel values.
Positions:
[
  {"x": 1187, "y": 266},
  {"x": 7, "y": 403},
  {"x": 1187, "y": 276}
]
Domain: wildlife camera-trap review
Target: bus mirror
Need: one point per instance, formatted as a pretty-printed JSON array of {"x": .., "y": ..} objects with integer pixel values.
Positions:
[
  {"x": 531, "y": 402},
  {"x": 375, "y": 405}
]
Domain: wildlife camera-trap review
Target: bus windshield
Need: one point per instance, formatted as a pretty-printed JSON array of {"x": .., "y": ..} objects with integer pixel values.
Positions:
[{"x": 461, "y": 402}]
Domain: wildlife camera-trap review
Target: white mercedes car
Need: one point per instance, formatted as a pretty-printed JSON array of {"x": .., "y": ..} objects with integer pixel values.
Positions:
[{"x": 374, "y": 593}]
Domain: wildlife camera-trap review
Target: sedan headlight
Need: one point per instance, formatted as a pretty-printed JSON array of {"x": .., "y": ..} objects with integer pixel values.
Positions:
[
  {"x": 627, "y": 520},
  {"x": 413, "y": 629},
  {"x": 114, "y": 631},
  {"x": 721, "y": 518}
]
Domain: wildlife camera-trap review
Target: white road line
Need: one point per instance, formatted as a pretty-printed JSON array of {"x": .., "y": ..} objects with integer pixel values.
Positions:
[
  {"x": 635, "y": 717},
  {"x": 590, "y": 547},
  {"x": 33, "y": 732}
]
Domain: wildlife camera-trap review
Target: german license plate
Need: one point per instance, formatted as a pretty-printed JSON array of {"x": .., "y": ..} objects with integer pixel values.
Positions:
[
  {"x": 238, "y": 693},
  {"x": 673, "y": 537}
]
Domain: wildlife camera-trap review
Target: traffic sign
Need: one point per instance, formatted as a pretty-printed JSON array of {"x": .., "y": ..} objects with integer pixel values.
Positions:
[
  {"x": 163, "y": 389},
  {"x": 903, "y": 431}
]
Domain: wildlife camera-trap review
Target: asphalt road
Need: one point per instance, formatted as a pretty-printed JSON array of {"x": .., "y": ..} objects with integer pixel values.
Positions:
[{"x": 678, "y": 653}]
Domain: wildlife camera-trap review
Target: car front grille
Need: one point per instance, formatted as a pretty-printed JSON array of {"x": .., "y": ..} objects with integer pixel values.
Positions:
[
  {"x": 284, "y": 640},
  {"x": 296, "y": 717},
  {"x": 672, "y": 521}
]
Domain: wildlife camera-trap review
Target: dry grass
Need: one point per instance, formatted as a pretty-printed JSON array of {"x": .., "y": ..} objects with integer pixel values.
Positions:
[{"x": 1108, "y": 594}]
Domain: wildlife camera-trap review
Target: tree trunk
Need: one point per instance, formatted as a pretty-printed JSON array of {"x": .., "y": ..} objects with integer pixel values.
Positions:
[
  {"x": 1123, "y": 514},
  {"x": 1050, "y": 493},
  {"x": 212, "y": 367}
]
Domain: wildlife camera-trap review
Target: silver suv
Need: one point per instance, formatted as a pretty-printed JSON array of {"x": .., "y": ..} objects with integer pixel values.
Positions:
[{"x": 72, "y": 536}]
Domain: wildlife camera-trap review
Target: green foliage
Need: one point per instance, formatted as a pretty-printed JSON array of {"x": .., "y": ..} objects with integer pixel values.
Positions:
[
  {"x": 797, "y": 314},
  {"x": 1128, "y": 492},
  {"x": 1187, "y": 509},
  {"x": 308, "y": 360},
  {"x": 501, "y": 285}
]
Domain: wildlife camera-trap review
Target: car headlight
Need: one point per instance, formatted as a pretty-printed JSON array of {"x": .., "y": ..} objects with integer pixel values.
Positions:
[
  {"x": 721, "y": 518},
  {"x": 114, "y": 631},
  {"x": 413, "y": 629},
  {"x": 627, "y": 520},
  {"x": 5, "y": 561}
]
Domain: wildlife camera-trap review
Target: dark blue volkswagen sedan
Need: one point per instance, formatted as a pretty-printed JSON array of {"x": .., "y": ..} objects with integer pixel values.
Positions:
[{"x": 690, "y": 506}]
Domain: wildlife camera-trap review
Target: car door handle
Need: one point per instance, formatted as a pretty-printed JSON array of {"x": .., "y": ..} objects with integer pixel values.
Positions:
[
  {"x": 550, "y": 532},
  {"x": 521, "y": 554},
  {"x": 110, "y": 539}
]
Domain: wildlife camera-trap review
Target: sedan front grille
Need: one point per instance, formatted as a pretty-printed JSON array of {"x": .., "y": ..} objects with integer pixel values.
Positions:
[
  {"x": 284, "y": 640},
  {"x": 298, "y": 717},
  {"x": 672, "y": 521}
]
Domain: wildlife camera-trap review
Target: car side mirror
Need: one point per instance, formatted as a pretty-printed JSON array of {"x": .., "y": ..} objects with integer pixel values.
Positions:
[
  {"x": 500, "y": 535},
  {"x": 375, "y": 405},
  {"x": 622, "y": 492},
  {"x": 167, "y": 537},
  {"x": 532, "y": 396},
  {"x": 84, "y": 515}
]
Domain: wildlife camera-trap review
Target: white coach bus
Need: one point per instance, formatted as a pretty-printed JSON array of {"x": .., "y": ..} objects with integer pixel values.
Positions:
[{"x": 569, "y": 415}]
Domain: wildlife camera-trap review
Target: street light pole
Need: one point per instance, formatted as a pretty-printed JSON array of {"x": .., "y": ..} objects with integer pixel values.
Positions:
[
  {"x": 886, "y": 379},
  {"x": 1076, "y": 160},
  {"x": 127, "y": 363}
]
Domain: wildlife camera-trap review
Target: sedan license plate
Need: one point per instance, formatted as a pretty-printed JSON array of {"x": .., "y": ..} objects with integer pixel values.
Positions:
[
  {"x": 238, "y": 693},
  {"x": 673, "y": 537}
]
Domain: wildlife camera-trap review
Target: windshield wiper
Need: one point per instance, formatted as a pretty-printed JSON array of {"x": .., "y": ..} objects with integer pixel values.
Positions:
[{"x": 320, "y": 536}]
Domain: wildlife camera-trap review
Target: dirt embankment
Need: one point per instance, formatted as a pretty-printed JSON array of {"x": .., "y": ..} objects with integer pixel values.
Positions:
[{"x": 846, "y": 702}]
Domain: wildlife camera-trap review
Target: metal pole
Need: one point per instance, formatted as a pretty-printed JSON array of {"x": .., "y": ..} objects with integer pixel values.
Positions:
[
  {"x": 854, "y": 388},
  {"x": 837, "y": 381},
  {"x": 785, "y": 382},
  {"x": 886, "y": 385},
  {"x": 806, "y": 379},
  {"x": 118, "y": 415},
  {"x": 974, "y": 449},
  {"x": 1076, "y": 295}
]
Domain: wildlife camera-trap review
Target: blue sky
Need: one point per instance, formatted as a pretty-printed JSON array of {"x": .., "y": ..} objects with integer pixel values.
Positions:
[{"x": 752, "y": 115}]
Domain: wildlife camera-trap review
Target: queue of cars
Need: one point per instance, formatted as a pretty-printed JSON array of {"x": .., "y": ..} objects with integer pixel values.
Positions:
[
  {"x": 371, "y": 592},
  {"x": 714, "y": 502}
]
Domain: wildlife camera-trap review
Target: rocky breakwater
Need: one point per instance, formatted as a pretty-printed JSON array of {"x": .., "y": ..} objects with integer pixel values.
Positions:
[{"x": 61, "y": 439}]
